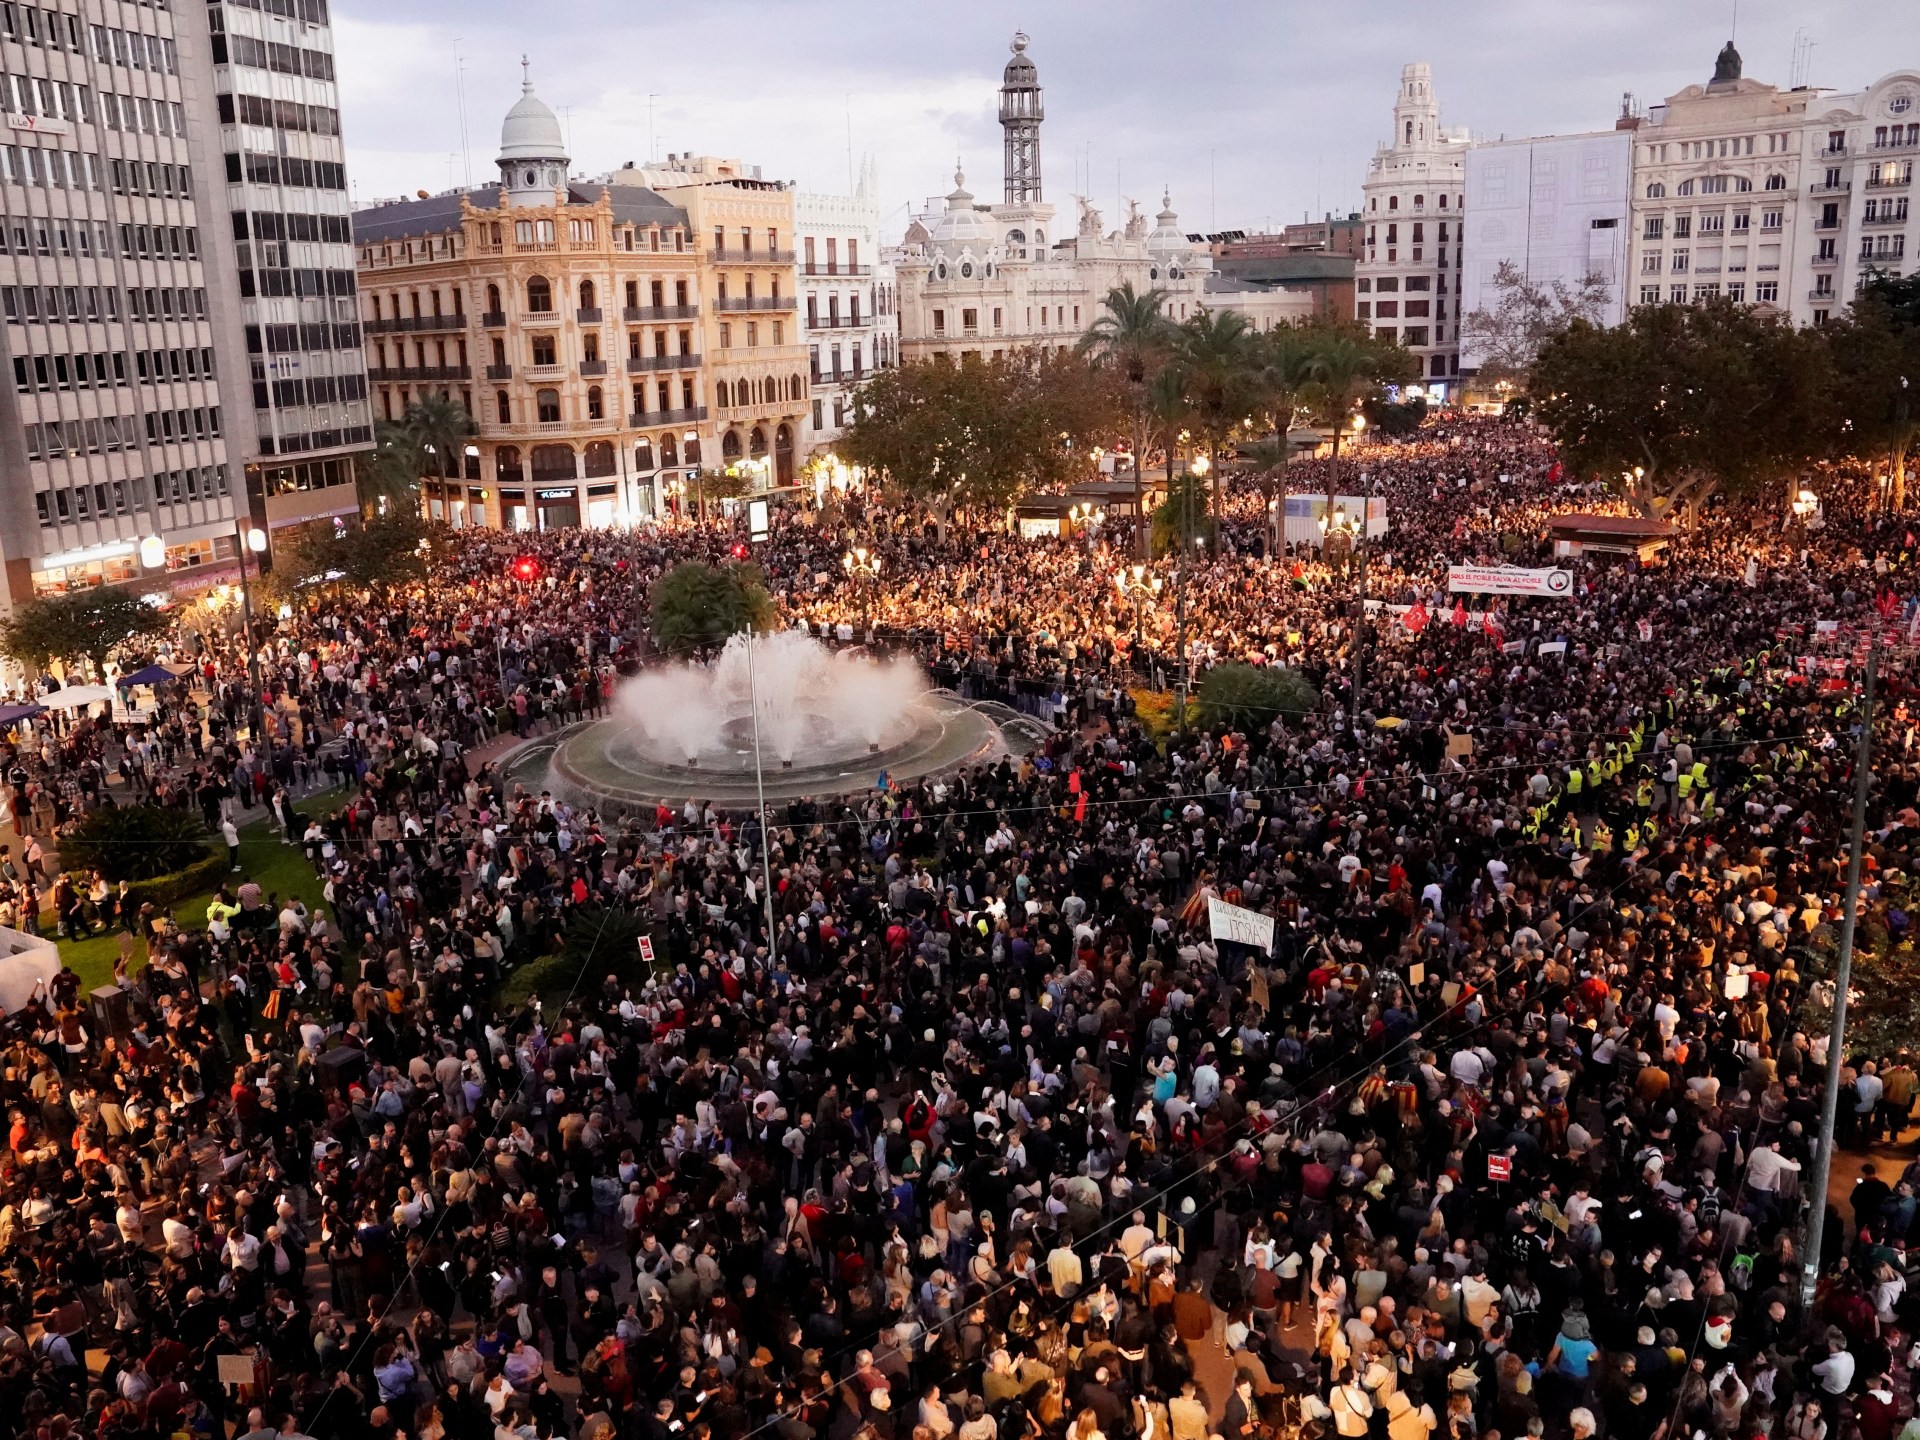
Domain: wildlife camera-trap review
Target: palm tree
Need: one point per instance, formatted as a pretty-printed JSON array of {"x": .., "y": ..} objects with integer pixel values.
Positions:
[
  {"x": 1218, "y": 356},
  {"x": 1340, "y": 372},
  {"x": 1288, "y": 348},
  {"x": 392, "y": 479},
  {"x": 1134, "y": 337},
  {"x": 440, "y": 425}
]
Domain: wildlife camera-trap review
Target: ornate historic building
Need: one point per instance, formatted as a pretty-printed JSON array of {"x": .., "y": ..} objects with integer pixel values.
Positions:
[
  {"x": 1784, "y": 198},
  {"x": 985, "y": 279},
  {"x": 1407, "y": 281},
  {"x": 608, "y": 339},
  {"x": 750, "y": 315}
]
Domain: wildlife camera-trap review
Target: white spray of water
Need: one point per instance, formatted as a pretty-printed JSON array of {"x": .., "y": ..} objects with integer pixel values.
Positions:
[{"x": 831, "y": 705}]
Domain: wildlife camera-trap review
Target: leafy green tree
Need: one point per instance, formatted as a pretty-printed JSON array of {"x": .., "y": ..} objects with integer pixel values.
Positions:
[
  {"x": 696, "y": 607},
  {"x": 440, "y": 426},
  {"x": 715, "y": 485},
  {"x": 384, "y": 550},
  {"x": 1875, "y": 350},
  {"x": 1395, "y": 418},
  {"x": 1253, "y": 696},
  {"x": 1135, "y": 339},
  {"x": 980, "y": 433},
  {"x": 1680, "y": 401},
  {"x": 1182, "y": 514},
  {"x": 83, "y": 625},
  {"x": 136, "y": 842}
]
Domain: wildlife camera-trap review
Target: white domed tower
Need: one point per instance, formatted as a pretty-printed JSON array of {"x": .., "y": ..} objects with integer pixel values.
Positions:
[
  {"x": 533, "y": 153},
  {"x": 1167, "y": 243},
  {"x": 963, "y": 228}
]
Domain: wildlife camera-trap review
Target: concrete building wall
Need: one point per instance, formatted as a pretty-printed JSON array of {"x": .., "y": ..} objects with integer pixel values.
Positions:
[{"x": 1556, "y": 208}]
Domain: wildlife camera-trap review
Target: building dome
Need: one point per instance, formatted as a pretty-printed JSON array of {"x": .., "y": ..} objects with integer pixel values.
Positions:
[
  {"x": 532, "y": 130},
  {"x": 963, "y": 227},
  {"x": 1167, "y": 240}
]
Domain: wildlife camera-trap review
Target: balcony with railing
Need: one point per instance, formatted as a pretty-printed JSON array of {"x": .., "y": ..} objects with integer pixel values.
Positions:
[
  {"x": 1837, "y": 188},
  {"x": 737, "y": 303},
  {"x": 1882, "y": 147},
  {"x": 640, "y": 364},
  {"x": 830, "y": 268},
  {"x": 593, "y": 368},
  {"x": 838, "y": 322},
  {"x": 1823, "y": 260},
  {"x": 689, "y": 415},
  {"x": 417, "y": 373},
  {"x": 587, "y": 315},
  {"x": 499, "y": 372},
  {"x": 494, "y": 319},
  {"x": 1818, "y": 294},
  {"x": 534, "y": 429},
  {"x": 735, "y": 256},
  {"x": 1899, "y": 180},
  {"x": 396, "y": 324},
  {"x": 653, "y": 314},
  {"x": 1895, "y": 217}
]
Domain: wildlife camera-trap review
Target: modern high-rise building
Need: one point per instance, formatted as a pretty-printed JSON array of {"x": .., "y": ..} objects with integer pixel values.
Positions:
[
  {"x": 1407, "y": 279},
  {"x": 285, "y": 204},
  {"x": 120, "y": 442}
]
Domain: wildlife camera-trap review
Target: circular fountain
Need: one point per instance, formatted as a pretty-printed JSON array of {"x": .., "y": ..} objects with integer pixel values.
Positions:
[{"x": 828, "y": 723}]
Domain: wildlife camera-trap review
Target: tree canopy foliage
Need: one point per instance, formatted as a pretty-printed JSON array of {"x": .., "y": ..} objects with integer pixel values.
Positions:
[
  {"x": 696, "y": 607},
  {"x": 135, "y": 842},
  {"x": 385, "y": 550},
  {"x": 1681, "y": 400},
  {"x": 978, "y": 434},
  {"x": 428, "y": 440},
  {"x": 1253, "y": 696},
  {"x": 83, "y": 625}
]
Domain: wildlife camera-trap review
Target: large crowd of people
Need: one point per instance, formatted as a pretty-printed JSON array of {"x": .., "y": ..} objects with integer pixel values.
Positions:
[{"x": 988, "y": 1135}]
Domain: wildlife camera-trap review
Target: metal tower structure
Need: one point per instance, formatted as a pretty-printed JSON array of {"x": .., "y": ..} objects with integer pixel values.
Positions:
[{"x": 1020, "y": 117}]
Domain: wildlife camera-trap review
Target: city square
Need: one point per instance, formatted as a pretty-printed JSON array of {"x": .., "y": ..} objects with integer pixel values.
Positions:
[{"x": 740, "y": 806}]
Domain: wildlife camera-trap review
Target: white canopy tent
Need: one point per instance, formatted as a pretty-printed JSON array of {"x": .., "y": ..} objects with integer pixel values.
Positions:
[{"x": 75, "y": 697}]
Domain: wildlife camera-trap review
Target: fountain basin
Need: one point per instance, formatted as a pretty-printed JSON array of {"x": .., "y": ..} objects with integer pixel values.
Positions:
[{"x": 599, "y": 764}]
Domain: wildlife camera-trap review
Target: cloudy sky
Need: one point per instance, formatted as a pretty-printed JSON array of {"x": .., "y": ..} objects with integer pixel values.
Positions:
[{"x": 1253, "y": 112}]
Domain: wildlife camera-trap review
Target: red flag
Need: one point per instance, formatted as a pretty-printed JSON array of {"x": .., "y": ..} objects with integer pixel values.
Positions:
[
  {"x": 1886, "y": 602},
  {"x": 1416, "y": 618},
  {"x": 1495, "y": 626},
  {"x": 1460, "y": 613},
  {"x": 1080, "y": 808}
]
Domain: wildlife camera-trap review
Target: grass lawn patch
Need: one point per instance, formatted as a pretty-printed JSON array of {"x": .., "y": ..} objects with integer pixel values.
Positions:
[{"x": 280, "y": 870}]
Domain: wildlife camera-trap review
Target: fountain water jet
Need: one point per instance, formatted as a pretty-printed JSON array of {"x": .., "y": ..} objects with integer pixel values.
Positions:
[{"x": 830, "y": 723}]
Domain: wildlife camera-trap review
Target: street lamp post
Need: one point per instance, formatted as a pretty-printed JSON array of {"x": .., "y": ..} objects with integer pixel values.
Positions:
[
  {"x": 863, "y": 568},
  {"x": 1354, "y": 532},
  {"x": 1198, "y": 470},
  {"x": 1135, "y": 583},
  {"x": 255, "y": 539},
  {"x": 1084, "y": 518}
]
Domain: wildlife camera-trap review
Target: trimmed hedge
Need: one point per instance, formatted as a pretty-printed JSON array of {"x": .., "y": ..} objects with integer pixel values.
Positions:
[{"x": 163, "y": 890}]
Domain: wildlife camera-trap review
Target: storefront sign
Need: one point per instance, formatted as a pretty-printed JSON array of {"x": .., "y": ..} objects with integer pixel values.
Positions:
[{"x": 1508, "y": 580}]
